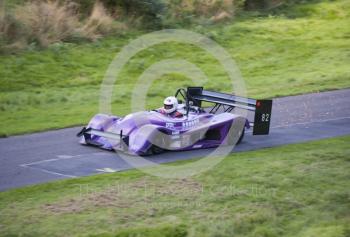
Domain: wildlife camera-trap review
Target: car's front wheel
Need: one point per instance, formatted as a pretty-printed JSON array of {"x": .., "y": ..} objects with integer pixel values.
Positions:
[{"x": 153, "y": 150}]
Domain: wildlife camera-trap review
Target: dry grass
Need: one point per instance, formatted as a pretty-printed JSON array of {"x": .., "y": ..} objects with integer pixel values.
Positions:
[
  {"x": 47, "y": 22},
  {"x": 127, "y": 195},
  {"x": 100, "y": 23},
  {"x": 216, "y": 10},
  {"x": 213, "y": 7}
]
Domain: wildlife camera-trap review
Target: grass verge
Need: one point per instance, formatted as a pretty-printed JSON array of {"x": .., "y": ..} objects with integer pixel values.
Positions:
[
  {"x": 305, "y": 49},
  {"x": 293, "y": 190}
]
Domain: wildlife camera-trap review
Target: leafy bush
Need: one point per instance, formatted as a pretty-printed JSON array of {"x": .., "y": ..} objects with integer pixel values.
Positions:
[
  {"x": 148, "y": 10},
  {"x": 268, "y": 4}
]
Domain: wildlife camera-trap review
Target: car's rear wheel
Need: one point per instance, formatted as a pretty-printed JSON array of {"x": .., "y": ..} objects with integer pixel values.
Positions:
[
  {"x": 236, "y": 136},
  {"x": 241, "y": 136}
]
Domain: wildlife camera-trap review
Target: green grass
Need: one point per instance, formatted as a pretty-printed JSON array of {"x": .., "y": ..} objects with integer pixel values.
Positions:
[
  {"x": 301, "y": 49},
  {"x": 293, "y": 190}
]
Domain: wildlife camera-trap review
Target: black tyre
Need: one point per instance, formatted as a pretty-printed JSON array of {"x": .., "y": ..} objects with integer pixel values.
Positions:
[
  {"x": 153, "y": 150},
  {"x": 232, "y": 137},
  {"x": 156, "y": 150},
  {"x": 241, "y": 136}
]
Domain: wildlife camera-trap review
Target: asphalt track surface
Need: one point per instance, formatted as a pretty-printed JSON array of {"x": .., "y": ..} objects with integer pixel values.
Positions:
[{"x": 46, "y": 156}]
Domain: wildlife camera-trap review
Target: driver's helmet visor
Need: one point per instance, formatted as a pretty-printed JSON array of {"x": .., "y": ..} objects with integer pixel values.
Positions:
[{"x": 168, "y": 106}]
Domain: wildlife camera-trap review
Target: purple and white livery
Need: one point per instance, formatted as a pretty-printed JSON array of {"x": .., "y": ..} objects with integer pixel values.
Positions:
[{"x": 151, "y": 132}]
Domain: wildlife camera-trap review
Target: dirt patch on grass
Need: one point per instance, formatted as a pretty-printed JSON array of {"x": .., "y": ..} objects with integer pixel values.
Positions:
[{"x": 146, "y": 192}]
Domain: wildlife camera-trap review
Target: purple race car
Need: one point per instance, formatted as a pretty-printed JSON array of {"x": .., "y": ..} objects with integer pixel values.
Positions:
[{"x": 151, "y": 132}]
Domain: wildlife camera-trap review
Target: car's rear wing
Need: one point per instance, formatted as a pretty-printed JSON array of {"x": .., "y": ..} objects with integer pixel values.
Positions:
[{"x": 227, "y": 102}]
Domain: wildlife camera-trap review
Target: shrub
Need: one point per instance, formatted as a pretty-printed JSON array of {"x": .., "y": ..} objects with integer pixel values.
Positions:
[
  {"x": 145, "y": 13},
  {"x": 211, "y": 10},
  {"x": 100, "y": 23},
  {"x": 268, "y": 4},
  {"x": 47, "y": 22},
  {"x": 10, "y": 32},
  {"x": 42, "y": 23}
]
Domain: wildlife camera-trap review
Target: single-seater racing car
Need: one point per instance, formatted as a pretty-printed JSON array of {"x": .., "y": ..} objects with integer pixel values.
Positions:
[{"x": 153, "y": 132}]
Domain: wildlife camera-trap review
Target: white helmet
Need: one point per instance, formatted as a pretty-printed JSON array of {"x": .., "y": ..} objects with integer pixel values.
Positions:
[{"x": 170, "y": 104}]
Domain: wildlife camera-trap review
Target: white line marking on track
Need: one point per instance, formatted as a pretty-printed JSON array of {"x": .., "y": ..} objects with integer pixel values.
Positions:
[
  {"x": 61, "y": 157},
  {"x": 48, "y": 171},
  {"x": 107, "y": 170}
]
